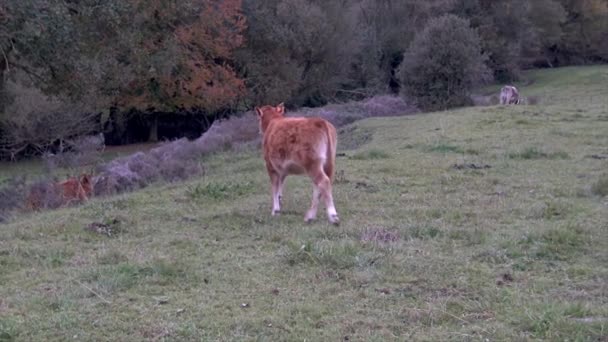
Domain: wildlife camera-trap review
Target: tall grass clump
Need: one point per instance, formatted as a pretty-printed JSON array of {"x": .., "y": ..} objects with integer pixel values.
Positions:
[{"x": 600, "y": 187}]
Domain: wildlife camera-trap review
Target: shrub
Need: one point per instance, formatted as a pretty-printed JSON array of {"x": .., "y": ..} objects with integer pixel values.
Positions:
[
  {"x": 347, "y": 113},
  {"x": 172, "y": 161},
  {"x": 224, "y": 134},
  {"x": 443, "y": 64}
]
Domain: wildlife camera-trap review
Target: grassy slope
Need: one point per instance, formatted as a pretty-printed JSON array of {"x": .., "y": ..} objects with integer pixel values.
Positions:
[{"x": 516, "y": 251}]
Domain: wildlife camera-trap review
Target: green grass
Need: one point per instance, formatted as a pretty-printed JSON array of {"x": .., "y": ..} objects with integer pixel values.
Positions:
[
  {"x": 535, "y": 153},
  {"x": 512, "y": 252},
  {"x": 371, "y": 154}
]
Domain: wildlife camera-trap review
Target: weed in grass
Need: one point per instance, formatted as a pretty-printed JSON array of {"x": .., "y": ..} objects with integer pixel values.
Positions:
[
  {"x": 371, "y": 155},
  {"x": 445, "y": 148},
  {"x": 523, "y": 122},
  {"x": 532, "y": 153},
  {"x": 424, "y": 232},
  {"x": 219, "y": 191},
  {"x": 187, "y": 246},
  {"x": 549, "y": 210},
  {"x": 111, "y": 257},
  {"x": 337, "y": 256},
  {"x": 560, "y": 243},
  {"x": 170, "y": 272},
  {"x": 470, "y": 238},
  {"x": 542, "y": 322},
  {"x": 57, "y": 258},
  {"x": 123, "y": 276},
  {"x": 109, "y": 227},
  {"x": 600, "y": 187},
  {"x": 379, "y": 236},
  {"x": 8, "y": 330},
  {"x": 558, "y": 321},
  {"x": 112, "y": 279},
  {"x": 577, "y": 310},
  {"x": 448, "y": 148},
  {"x": 492, "y": 256}
]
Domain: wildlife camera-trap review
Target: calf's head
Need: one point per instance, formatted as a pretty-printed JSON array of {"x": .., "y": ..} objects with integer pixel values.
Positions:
[
  {"x": 268, "y": 113},
  {"x": 87, "y": 184}
]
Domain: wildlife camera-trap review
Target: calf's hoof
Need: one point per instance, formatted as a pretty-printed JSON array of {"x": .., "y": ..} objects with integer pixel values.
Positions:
[
  {"x": 275, "y": 212},
  {"x": 334, "y": 219},
  {"x": 310, "y": 216}
]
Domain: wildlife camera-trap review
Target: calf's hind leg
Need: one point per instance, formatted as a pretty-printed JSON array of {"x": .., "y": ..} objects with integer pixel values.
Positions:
[
  {"x": 323, "y": 189},
  {"x": 275, "y": 182}
]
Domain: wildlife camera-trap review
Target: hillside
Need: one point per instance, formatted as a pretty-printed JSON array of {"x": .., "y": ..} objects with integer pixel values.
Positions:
[{"x": 473, "y": 224}]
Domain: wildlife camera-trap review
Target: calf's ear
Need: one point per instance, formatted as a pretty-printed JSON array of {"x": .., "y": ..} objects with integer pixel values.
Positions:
[
  {"x": 259, "y": 112},
  {"x": 281, "y": 108}
]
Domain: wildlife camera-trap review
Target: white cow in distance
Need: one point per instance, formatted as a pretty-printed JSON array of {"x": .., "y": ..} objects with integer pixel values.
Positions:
[{"x": 510, "y": 95}]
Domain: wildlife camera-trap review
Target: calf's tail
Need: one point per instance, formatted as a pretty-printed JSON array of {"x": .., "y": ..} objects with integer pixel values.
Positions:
[{"x": 332, "y": 141}]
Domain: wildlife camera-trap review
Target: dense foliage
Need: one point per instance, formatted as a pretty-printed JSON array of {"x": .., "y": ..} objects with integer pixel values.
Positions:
[
  {"x": 443, "y": 64},
  {"x": 210, "y": 56}
]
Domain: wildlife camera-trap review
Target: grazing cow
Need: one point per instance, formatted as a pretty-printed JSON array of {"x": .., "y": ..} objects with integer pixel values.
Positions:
[
  {"x": 296, "y": 146},
  {"x": 76, "y": 189},
  {"x": 52, "y": 195},
  {"x": 509, "y": 95}
]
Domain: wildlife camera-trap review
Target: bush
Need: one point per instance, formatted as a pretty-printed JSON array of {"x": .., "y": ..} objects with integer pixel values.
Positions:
[
  {"x": 347, "y": 113},
  {"x": 224, "y": 134},
  {"x": 443, "y": 64},
  {"x": 172, "y": 161}
]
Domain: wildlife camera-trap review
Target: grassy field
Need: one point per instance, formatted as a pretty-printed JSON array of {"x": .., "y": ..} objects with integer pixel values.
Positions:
[{"x": 486, "y": 223}]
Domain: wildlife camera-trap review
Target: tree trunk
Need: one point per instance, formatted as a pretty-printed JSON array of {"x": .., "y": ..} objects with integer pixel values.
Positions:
[
  {"x": 3, "y": 69},
  {"x": 153, "y": 136}
]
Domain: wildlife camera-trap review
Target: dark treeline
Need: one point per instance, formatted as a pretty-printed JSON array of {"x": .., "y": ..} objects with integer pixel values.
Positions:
[{"x": 146, "y": 60}]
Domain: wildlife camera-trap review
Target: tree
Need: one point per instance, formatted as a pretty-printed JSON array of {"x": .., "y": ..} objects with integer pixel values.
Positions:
[
  {"x": 443, "y": 64},
  {"x": 585, "y": 36},
  {"x": 387, "y": 27},
  {"x": 184, "y": 58},
  {"x": 505, "y": 30},
  {"x": 147, "y": 55},
  {"x": 547, "y": 17},
  {"x": 298, "y": 52}
]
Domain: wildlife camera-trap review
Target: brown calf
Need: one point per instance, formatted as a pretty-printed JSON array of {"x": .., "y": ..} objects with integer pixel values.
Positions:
[
  {"x": 296, "y": 146},
  {"x": 62, "y": 193},
  {"x": 76, "y": 189}
]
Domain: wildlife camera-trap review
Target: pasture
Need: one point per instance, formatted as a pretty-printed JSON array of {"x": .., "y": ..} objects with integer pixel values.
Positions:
[{"x": 484, "y": 223}]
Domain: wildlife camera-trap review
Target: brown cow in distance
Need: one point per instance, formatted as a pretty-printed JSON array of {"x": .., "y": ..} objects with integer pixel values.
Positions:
[
  {"x": 74, "y": 189},
  {"x": 298, "y": 146}
]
